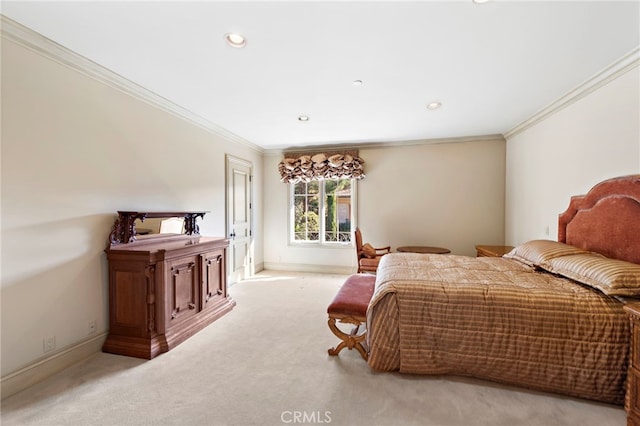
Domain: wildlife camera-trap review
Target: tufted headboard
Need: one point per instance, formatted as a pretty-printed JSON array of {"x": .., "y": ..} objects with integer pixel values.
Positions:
[{"x": 605, "y": 220}]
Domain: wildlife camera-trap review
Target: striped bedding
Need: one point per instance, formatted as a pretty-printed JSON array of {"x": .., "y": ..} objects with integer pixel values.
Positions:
[{"x": 497, "y": 319}]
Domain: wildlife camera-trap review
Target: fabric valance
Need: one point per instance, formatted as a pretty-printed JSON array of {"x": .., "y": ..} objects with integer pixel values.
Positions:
[{"x": 305, "y": 167}]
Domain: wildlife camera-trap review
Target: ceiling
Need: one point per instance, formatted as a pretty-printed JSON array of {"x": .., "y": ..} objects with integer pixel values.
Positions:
[{"x": 491, "y": 65}]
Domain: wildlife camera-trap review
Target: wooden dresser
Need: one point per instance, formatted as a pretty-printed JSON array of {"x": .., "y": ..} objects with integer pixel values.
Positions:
[
  {"x": 632, "y": 401},
  {"x": 162, "y": 290},
  {"x": 492, "y": 251}
]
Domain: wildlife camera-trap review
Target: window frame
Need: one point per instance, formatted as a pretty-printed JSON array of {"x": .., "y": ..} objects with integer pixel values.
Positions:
[{"x": 321, "y": 194}]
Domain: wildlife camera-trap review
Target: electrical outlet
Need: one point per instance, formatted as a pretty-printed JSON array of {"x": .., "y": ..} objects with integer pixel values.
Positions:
[
  {"x": 49, "y": 344},
  {"x": 92, "y": 327}
]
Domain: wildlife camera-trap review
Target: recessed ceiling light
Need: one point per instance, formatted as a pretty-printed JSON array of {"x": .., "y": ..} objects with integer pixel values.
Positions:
[
  {"x": 235, "y": 40},
  {"x": 480, "y": 1},
  {"x": 303, "y": 118},
  {"x": 434, "y": 105},
  {"x": 357, "y": 82}
]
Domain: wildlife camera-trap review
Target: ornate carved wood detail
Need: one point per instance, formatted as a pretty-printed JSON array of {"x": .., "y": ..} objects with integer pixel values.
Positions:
[
  {"x": 124, "y": 229},
  {"x": 211, "y": 277},
  {"x": 183, "y": 288},
  {"x": 190, "y": 225},
  {"x": 353, "y": 340},
  {"x": 149, "y": 273}
]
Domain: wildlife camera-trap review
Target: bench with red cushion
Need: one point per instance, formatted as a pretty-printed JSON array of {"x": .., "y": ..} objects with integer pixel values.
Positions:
[{"x": 350, "y": 306}]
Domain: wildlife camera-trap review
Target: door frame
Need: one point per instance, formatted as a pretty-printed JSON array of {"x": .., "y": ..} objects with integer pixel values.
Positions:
[{"x": 231, "y": 160}]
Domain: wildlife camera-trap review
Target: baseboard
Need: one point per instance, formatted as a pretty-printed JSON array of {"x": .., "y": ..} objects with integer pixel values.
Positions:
[
  {"x": 258, "y": 267},
  {"x": 40, "y": 370},
  {"x": 305, "y": 267}
]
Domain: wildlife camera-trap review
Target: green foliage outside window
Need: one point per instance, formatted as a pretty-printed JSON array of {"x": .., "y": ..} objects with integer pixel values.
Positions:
[{"x": 336, "y": 204}]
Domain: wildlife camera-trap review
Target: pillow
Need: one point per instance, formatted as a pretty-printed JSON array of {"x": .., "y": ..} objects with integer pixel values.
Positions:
[
  {"x": 535, "y": 252},
  {"x": 369, "y": 251},
  {"x": 612, "y": 277}
]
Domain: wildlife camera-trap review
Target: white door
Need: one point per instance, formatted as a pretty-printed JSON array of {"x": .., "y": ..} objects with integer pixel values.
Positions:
[{"x": 239, "y": 218}]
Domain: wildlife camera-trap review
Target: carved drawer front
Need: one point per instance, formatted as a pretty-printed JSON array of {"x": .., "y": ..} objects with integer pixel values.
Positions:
[
  {"x": 182, "y": 289},
  {"x": 213, "y": 277}
]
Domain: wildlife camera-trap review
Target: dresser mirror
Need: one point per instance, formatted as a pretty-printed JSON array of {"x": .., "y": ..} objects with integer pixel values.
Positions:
[
  {"x": 159, "y": 225},
  {"x": 131, "y": 224}
]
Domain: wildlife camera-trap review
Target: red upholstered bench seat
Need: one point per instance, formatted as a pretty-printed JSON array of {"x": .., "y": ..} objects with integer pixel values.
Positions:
[
  {"x": 354, "y": 296},
  {"x": 350, "y": 306}
]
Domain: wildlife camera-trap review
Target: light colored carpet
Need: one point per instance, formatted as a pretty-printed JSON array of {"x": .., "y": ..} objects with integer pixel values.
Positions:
[{"x": 266, "y": 363}]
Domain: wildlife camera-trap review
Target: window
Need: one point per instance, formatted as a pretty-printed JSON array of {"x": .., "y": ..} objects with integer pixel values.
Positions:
[{"x": 322, "y": 211}]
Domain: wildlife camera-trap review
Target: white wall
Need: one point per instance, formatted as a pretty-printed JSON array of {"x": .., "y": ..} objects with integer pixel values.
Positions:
[
  {"x": 74, "y": 151},
  {"x": 593, "y": 139},
  {"x": 449, "y": 195}
]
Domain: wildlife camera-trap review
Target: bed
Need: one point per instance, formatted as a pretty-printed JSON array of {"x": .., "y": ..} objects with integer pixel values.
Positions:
[{"x": 547, "y": 316}]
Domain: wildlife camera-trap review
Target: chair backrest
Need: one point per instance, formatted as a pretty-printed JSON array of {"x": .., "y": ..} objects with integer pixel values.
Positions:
[{"x": 358, "y": 236}]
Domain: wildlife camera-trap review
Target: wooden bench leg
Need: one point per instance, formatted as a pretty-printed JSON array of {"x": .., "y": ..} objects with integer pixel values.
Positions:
[{"x": 349, "y": 341}]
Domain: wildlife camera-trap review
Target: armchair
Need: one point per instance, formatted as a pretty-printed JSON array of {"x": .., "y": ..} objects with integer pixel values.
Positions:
[{"x": 368, "y": 256}]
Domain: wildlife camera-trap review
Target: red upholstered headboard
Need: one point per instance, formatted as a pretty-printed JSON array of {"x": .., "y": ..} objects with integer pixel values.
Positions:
[{"x": 605, "y": 220}]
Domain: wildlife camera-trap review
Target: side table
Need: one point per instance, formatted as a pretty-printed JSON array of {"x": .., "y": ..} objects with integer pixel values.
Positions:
[{"x": 492, "y": 251}]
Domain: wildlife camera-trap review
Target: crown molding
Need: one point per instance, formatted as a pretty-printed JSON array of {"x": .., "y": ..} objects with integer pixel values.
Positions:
[
  {"x": 36, "y": 42},
  {"x": 623, "y": 65},
  {"x": 385, "y": 144}
]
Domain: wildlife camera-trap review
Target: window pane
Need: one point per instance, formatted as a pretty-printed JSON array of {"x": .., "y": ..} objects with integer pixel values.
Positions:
[
  {"x": 306, "y": 218},
  {"x": 337, "y": 210},
  {"x": 322, "y": 211},
  {"x": 313, "y": 187},
  {"x": 300, "y": 188}
]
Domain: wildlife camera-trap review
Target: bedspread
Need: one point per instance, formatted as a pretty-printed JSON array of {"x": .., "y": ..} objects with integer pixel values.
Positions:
[{"x": 497, "y": 319}]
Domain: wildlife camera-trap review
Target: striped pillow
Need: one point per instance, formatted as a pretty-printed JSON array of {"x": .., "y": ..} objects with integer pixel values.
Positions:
[
  {"x": 535, "y": 252},
  {"x": 612, "y": 277}
]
